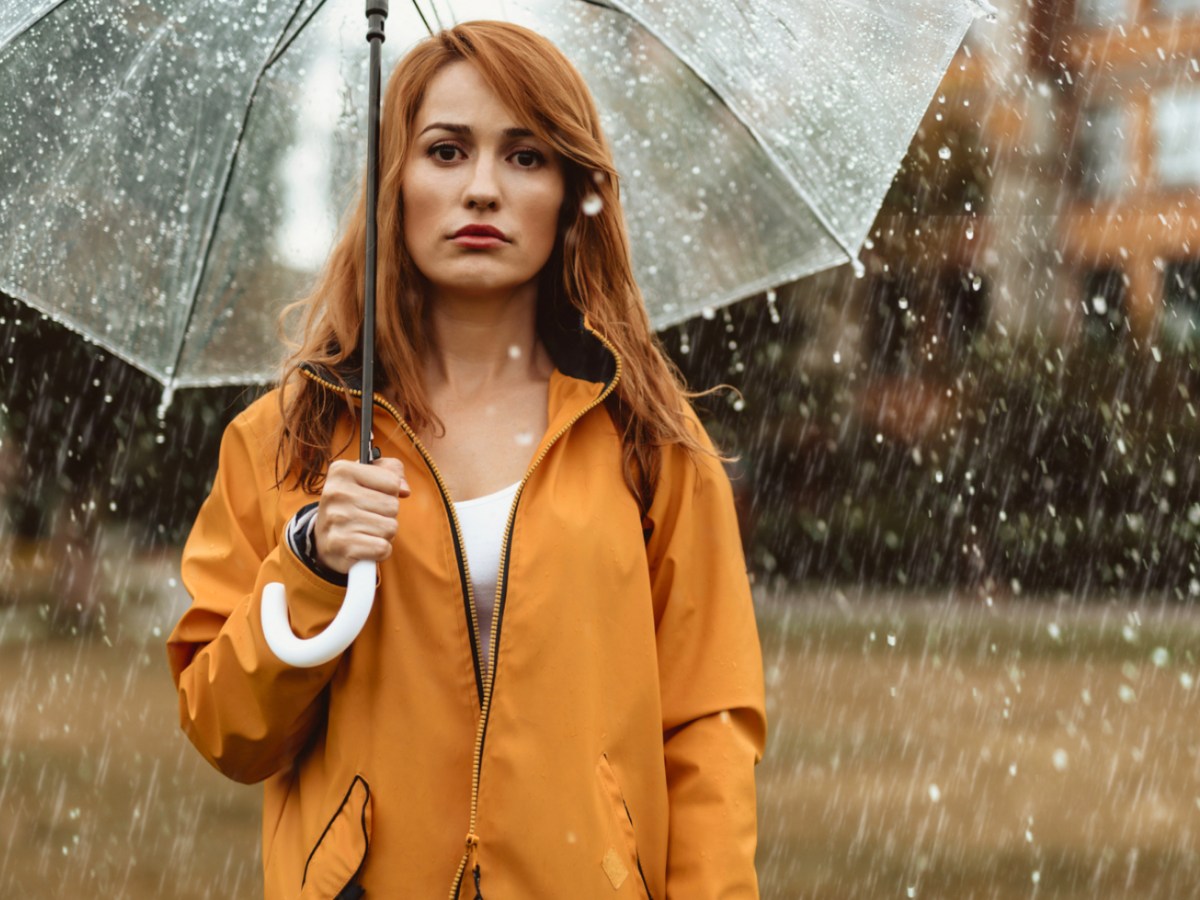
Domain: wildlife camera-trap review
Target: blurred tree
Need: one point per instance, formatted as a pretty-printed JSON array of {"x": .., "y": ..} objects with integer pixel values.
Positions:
[
  {"x": 1037, "y": 467},
  {"x": 87, "y": 450}
]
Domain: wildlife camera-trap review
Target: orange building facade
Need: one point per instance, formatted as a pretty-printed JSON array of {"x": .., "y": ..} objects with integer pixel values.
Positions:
[
  {"x": 1053, "y": 187},
  {"x": 1133, "y": 226}
]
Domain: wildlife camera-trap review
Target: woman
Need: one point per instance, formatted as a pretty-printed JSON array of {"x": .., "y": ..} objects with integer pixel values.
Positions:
[{"x": 559, "y": 692}]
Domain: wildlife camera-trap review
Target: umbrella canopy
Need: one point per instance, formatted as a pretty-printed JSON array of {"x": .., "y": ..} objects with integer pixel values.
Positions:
[{"x": 172, "y": 172}]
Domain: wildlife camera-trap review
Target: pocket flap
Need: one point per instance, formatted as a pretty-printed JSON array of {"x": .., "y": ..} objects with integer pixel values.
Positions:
[
  {"x": 342, "y": 848},
  {"x": 625, "y": 851}
]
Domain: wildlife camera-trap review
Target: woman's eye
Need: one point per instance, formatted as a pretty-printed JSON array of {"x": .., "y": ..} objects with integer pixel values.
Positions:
[
  {"x": 444, "y": 152},
  {"x": 527, "y": 159}
]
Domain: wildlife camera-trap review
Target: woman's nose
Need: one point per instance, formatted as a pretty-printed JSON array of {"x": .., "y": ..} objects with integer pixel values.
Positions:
[{"x": 482, "y": 191}]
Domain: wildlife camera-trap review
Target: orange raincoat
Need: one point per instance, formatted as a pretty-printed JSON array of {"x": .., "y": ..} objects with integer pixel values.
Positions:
[{"x": 608, "y": 751}]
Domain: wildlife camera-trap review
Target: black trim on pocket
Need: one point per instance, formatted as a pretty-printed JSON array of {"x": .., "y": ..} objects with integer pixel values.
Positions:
[
  {"x": 642, "y": 875},
  {"x": 637, "y": 853},
  {"x": 366, "y": 840}
]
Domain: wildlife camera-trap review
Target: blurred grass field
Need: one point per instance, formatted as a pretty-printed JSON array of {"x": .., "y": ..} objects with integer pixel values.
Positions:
[
  {"x": 918, "y": 747},
  {"x": 942, "y": 748}
]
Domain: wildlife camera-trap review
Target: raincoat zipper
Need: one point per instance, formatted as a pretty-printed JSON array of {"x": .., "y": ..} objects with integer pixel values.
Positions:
[
  {"x": 469, "y": 858},
  {"x": 483, "y": 681}
]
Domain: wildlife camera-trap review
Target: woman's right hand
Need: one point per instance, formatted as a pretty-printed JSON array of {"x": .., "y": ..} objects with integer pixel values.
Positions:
[{"x": 356, "y": 517}]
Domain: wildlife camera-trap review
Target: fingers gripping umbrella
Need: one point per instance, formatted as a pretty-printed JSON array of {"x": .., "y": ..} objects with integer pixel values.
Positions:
[{"x": 171, "y": 171}]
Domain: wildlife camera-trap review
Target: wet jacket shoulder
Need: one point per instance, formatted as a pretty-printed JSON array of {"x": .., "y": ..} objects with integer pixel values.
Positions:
[{"x": 232, "y": 552}]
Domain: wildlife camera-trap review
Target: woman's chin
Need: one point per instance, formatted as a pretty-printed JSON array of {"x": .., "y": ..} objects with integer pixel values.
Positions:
[{"x": 481, "y": 279}]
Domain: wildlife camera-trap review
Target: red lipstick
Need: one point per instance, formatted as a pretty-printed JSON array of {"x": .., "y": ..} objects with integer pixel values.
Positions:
[{"x": 479, "y": 237}]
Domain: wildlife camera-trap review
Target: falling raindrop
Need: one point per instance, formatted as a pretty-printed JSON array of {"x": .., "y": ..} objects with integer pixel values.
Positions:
[{"x": 772, "y": 309}]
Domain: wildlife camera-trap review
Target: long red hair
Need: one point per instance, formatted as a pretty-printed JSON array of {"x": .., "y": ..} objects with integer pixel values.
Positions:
[{"x": 590, "y": 268}]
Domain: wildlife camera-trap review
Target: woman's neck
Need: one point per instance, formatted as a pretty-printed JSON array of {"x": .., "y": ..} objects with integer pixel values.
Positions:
[{"x": 484, "y": 342}]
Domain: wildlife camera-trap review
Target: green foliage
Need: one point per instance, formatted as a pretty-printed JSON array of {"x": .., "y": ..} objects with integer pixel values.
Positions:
[
  {"x": 1047, "y": 466},
  {"x": 84, "y": 446},
  {"x": 946, "y": 169}
]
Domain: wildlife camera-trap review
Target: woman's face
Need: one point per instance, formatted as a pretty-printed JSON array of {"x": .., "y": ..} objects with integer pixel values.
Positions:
[{"x": 481, "y": 194}]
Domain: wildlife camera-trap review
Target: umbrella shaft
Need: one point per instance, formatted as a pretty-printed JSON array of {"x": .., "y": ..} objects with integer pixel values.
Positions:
[{"x": 376, "y": 12}]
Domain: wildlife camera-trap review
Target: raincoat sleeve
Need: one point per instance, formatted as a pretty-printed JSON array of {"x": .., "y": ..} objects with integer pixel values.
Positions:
[
  {"x": 247, "y": 712},
  {"x": 711, "y": 677}
]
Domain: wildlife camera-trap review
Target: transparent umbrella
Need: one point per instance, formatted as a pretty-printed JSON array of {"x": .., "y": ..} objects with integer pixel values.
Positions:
[{"x": 172, "y": 173}]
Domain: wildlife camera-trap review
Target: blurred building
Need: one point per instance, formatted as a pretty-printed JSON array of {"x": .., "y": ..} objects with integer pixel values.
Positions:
[
  {"x": 1132, "y": 113},
  {"x": 1052, "y": 188}
]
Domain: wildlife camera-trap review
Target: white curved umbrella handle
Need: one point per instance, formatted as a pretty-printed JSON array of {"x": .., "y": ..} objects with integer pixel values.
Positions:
[{"x": 341, "y": 632}]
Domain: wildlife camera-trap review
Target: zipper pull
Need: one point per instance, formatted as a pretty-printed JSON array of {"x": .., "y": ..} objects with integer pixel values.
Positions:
[
  {"x": 472, "y": 846},
  {"x": 472, "y": 861}
]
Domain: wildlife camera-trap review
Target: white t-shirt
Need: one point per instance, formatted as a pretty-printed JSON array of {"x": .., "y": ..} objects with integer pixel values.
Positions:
[{"x": 482, "y": 521}]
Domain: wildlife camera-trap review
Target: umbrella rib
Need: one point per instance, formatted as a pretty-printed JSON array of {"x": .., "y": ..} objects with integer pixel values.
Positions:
[
  {"x": 37, "y": 18},
  {"x": 424, "y": 21},
  {"x": 281, "y": 49},
  {"x": 822, "y": 219},
  {"x": 202, "y": 269},
  {"x": 436, "y": 16}
]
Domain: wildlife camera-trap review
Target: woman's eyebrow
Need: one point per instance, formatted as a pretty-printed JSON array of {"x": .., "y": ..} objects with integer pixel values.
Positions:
[{"x": 454, "y": 128}]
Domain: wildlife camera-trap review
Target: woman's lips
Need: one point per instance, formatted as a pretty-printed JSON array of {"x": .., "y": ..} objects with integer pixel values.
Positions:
[{"x": 479, "y": 237}]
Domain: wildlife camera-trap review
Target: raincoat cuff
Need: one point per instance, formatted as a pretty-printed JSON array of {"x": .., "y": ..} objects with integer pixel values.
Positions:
[
  {"x": 306, "y": 587},
  {"x": 301, "y": 540}
]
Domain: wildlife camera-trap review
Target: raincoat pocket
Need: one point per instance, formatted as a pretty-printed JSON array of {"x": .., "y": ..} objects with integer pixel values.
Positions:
[
  {"x": 620, "y": 862},
  {"x": 339, "y": 854}
]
